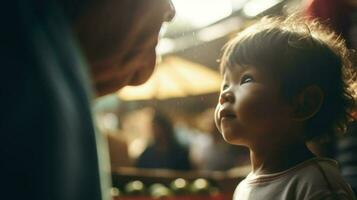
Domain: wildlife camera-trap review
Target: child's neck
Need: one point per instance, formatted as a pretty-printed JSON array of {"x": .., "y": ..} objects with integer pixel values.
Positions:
[{"x": 278, "y": 159}]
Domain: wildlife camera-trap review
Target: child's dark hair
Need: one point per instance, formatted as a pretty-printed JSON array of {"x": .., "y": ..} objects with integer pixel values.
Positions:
[{"x": 300, "y": 53}]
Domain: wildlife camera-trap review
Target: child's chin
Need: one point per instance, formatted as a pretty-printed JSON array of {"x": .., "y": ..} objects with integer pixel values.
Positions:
[{"x": 232, "y": 140}]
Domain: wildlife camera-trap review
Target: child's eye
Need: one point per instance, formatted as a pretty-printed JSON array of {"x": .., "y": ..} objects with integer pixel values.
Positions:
[
  {"x": 246, "y": 79},
  {"x": 225, "y": 86}
]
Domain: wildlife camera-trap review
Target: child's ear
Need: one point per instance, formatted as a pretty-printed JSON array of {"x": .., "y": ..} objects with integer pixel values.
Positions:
[{"x": 308, "y": 103}]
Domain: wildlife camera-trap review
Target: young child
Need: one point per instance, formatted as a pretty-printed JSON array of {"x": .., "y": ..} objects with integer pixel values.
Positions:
[{"x": 286, "y": 83}]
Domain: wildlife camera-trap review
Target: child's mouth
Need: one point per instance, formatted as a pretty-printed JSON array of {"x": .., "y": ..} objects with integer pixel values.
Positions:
[{"x": 226, "y": 114}]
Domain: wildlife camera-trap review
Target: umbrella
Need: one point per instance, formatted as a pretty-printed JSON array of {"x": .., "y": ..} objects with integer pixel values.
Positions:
[{"x": 174, "y": 77}]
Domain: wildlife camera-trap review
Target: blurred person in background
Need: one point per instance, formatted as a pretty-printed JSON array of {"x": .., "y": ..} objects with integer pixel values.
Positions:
[
  {"x": 55, "y": 55},
  {"x": 165, "y": 151},
  {"x": 346, "y": 154}
]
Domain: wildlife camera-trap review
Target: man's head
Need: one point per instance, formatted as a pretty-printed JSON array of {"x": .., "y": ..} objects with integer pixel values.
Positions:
[
  {"x": 307, "y": 63},
  {"x": 118, "y": 38}
]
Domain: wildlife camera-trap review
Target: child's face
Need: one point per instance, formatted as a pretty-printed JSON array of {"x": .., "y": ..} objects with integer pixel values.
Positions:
[{"x": 251, "y": 110}]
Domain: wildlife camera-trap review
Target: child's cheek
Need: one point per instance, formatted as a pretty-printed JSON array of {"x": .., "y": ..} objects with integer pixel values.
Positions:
[
  {"x": 257, "y": 109},
  {"x": 216, "y": 119}
]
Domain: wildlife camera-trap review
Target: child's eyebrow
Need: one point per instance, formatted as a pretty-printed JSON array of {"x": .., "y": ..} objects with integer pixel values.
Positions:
[
  {"x": 237, "y": 72},
  {"x": 242, "y": 68},
  {"x": 237, "y": 65}
]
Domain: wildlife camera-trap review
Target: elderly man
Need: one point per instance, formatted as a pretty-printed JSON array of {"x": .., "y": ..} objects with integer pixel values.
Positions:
[{"x": 56, "y": 55}]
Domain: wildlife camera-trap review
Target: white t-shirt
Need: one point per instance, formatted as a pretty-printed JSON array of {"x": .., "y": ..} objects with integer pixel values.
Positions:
[{"x": 314, "y": 179}]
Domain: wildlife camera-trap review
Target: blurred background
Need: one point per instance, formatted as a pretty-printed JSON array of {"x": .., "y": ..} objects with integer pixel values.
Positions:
[{"x": 167, "y": 123}]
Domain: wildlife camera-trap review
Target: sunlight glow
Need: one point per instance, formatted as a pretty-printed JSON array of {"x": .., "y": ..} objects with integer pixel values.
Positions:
[
  {"x": 254, "y": 7},
  {"x": 200, "y": 13}
]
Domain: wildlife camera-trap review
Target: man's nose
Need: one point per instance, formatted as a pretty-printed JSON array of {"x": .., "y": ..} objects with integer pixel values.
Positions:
[
  {"x": 170, "y": 12},
  {"x": 226, "y": 97}
]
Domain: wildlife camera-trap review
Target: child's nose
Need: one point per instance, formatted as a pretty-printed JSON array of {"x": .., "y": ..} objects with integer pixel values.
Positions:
[
  {"x": 226, "y": 97},
  {"x": 170, "y": 12}
]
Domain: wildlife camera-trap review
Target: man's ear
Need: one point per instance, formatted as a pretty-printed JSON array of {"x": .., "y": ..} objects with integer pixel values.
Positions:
[{"x": 307, "y": 103}]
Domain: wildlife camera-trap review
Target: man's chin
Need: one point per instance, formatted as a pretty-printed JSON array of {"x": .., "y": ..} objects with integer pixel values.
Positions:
[
  {"x": 137, "y": 82},
  {"x": 141, "y": 76}
]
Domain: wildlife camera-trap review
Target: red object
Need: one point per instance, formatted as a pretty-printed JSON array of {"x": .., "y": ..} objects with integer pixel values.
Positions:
[
  {"x": 334, "y": 13},
  {"x": 354, "y": 115}
]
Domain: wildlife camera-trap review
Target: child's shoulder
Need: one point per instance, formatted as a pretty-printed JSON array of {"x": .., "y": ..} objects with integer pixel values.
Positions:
[
  {"x": 316, "y": 177},
  {"x": 312, "y": 170},
  {"x": 315, "y": 171},
  {"x": 321, "y": 178},
  {"x": 318, "y": 169}
]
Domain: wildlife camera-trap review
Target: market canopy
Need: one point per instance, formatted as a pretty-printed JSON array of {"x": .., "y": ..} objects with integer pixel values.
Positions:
[{"x": 174, "y": 77}]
